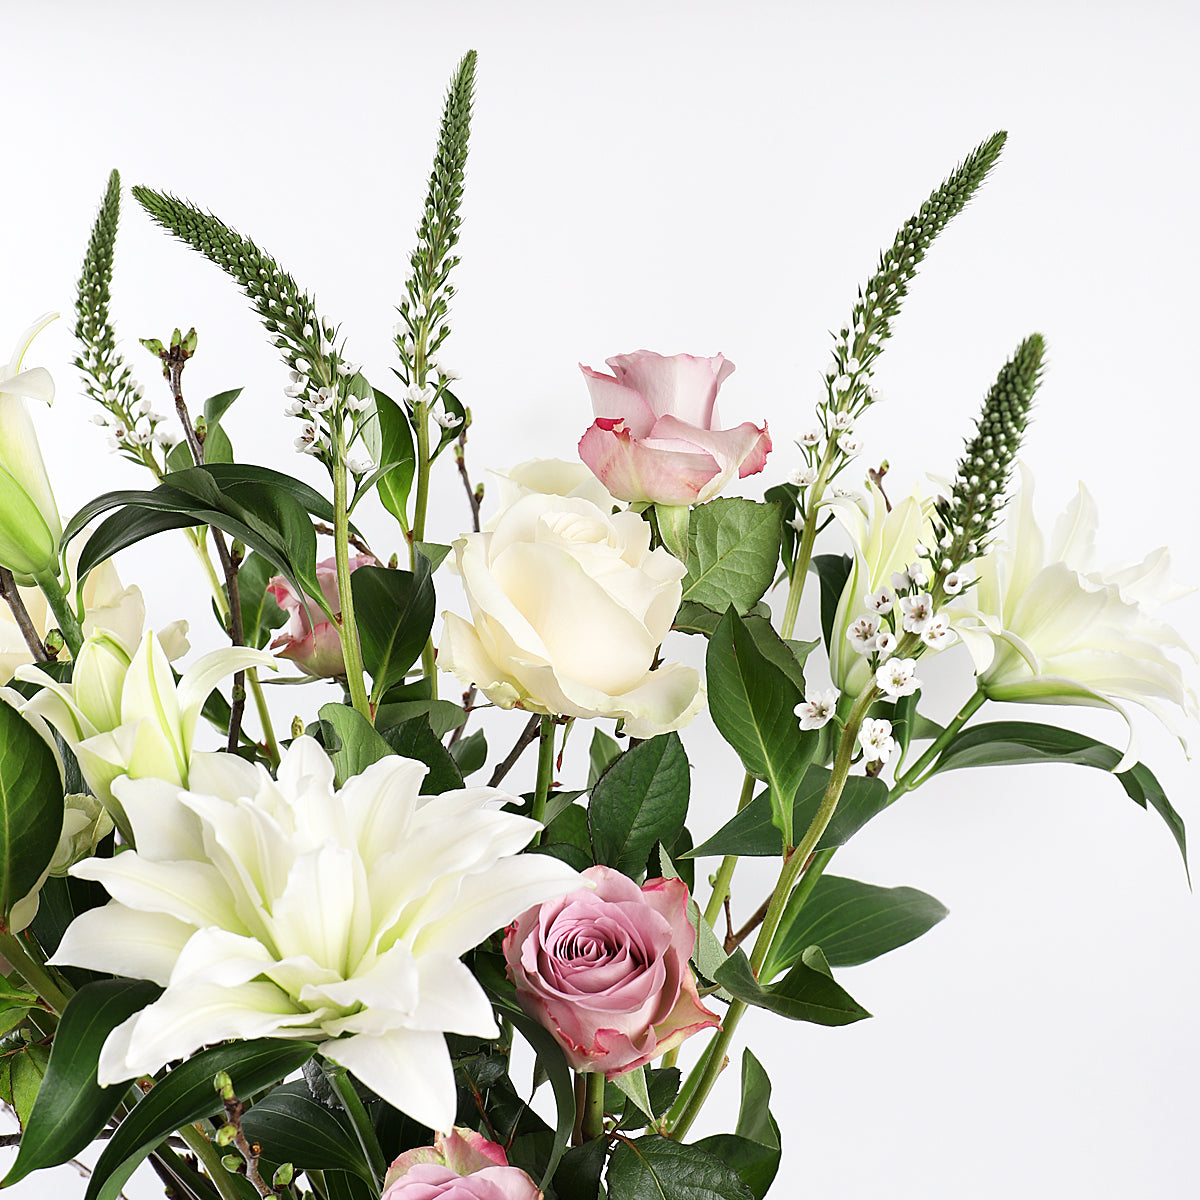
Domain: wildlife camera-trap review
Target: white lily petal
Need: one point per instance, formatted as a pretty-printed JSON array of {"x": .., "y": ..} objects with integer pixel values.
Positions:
[{"x": 124, "y": 941}]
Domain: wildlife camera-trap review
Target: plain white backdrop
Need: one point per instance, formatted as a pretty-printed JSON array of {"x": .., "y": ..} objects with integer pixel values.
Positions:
[{"x": 708, "y": 177}]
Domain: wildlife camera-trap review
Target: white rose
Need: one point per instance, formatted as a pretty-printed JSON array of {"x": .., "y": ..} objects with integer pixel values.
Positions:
[
  {"x": 568, "y": 605},
  {"x": 549, "y": 477}
]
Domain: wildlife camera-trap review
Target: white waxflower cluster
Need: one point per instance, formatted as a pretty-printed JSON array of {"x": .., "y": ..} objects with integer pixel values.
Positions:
[{"x": 128, "y": 416}]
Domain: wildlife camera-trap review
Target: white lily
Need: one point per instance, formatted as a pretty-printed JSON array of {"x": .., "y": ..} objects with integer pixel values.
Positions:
[
  {"x": 122, "y": 713},
  {"x": 883, "y": 545},
  {"x": 288, "y": 909},
  {"x": 1046, "y": 627},
  {"x": 29, "y": 522}
]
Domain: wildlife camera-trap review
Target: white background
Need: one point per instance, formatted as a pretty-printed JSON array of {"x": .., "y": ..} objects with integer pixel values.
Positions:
[{"x": 703, "y": 178}]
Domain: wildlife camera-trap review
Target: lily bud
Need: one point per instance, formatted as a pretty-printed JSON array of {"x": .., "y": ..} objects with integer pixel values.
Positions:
[{"x": 29, "y": 522}]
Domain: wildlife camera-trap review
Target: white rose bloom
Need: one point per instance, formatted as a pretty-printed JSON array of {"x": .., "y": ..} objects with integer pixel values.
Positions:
[
  {"x": 568, "y": 606},
  {"x": 1045, "y": 627},
  {"x": 549, "y": 477},
  {"x": 288, "y": 909}
]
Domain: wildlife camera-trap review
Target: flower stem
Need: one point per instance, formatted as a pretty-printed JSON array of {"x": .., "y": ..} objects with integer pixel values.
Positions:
[
  {"x": 545, "y": 772},
  {"x": 208, "y": 1154},
  {"x": 914, "y": 776},
  {"x": 33, "y": 972},
  {"x": 347, "y": 627},
  {"x": 725, "y": 871},
  {"x": 807, "y": 540},
  {"x": 593, "y": 1106},
  {"x": 421, "y": 502},
  {"x": 710, "y": 1068},
  {"x": 339, "y": 1077},
  {"x": 64, "y": 614}
]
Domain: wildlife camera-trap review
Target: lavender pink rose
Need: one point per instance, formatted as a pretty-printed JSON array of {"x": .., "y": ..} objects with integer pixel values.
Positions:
[
  {"x": 461, "y": 1166},
  {"x": 657, "y": 436},
  {"x": 311, "y": 641},
  {"x": 606, "y": 971}
]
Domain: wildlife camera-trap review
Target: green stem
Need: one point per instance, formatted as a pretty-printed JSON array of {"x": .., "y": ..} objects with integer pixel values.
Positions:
[
  {"x": 210, "y": 1156},
  {"x": 356, "y": 1111},
  {"x": 545, "y": 773},
  {"x": 264, "y": 715},
  {"x": 793, "y": 865},
  {"x": 33, "y": 972},
  {"x": 728, "y": 863},
  {"x": 421, "y": 502},
  {"x": 593, "y": 1106},
  {"x": 347, "y": 627},
  {"x": 688, "y": 1090},
  {"x": 807, "y": 540},
  {"x": 64, "y": 614},
  {"x": 914, "y": 776}
]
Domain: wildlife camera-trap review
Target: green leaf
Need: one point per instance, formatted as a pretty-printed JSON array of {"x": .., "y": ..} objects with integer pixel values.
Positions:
[
  {"x": 31, "y": 806},
  {"x": 292, "y": 1126},
  {"x": 752, "y": 702},
  {"x": 71, "y": 1108},
  {"x": 359, "y": 744},
  {"x": 642, "y": 798},
  {"x": 186, "y": 1095},
  {"x": 1009, "y": 743},
  {"x": 397, "y": 455},
  {"x": 752, "y": 831},
  {"x": 786, "y": 496},
  {"x": 673, "y": 522},
  {"x": 733, "y": 549},
  {"x": 415, "y": 739},
  {"x": 708, "y": 954},
  {"x": 217, "y": 446},
  {"x": 578, "y": 1174},
  {"x": 215, "y": 407},
  {"x": 434, "y": 551},
  {"x": 395, "y": 614},
  {"x": 695, "y": 618},
  {"x": 21, "y": 1075},
  {"x": 657, "y": 1168},
  {"x": 261, "y": 616},
  {"x": 755, "y": 1121},
  {"x": 832, "y": 570},
  {"x": 602, "y": 753},
  {"x": 852, "y": 922},
  {"x": 444, "y": 715},
  {"x": 806, "y": 993},
  {"x": 470, "y": 753},
  {"x": 756, "y": 1165},
  {"x": 567, "y": 837},
  {"x": 633, "y": 1085}
]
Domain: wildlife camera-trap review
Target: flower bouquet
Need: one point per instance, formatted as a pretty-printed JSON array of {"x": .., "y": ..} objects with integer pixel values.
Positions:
[{"x": 318, "y": 960}]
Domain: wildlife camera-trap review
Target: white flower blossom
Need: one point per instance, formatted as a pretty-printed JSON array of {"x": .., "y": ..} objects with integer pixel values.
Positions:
[
  {"x": 360, "y": 464},
  {"x": 842, "y": 421},
  {"x": 885, "y": 643},
  {"x": 817, "y": 708},
  {"x": 293, "y": 909},
  {"x": 953, "y": 583},
  {"x": 879, "y": 602},
  {"x": 358, "y": 404},
  {"x": 901, "y": 581},
  {"x": 323, "y": 400},
  {"x": 862, "y": 633},
  {"x": 897, "y": 677},
  {"x": 297, "y": 384},
  {"x": 309, "y": 441},
  {"x": 917, "y": 611},
  {"x": 875, "y": 737},
  {"x": 937, "y": 634},
  {"x": 439, "y": 413},
  {"x": 803, "y": 476},
  {"x": 918, "y": 574},
  {"x": 811, "y": 438},
  {"x": 294, "y": 408}
]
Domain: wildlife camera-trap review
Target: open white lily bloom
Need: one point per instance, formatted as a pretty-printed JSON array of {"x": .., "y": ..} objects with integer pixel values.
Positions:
[
  {"x": 29, "y": 522},
  {"x": 288, "y": 909},
  {"x": 122, "y": 713},
  {"x": 1045, "y": 627}
]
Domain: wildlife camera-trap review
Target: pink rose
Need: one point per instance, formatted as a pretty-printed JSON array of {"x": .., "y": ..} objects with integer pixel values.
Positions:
[
  {"x": 606, "y": 971},
  {"x": 463, "y": 1166},
  {"x": 310, "y": 641},
  {"x": 656, "y": 435}
]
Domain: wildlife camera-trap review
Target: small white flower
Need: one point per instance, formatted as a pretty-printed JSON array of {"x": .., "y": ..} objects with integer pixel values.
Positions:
[
  {"x": 852, "y": 364},
  {"x": 875, "y": 737},
  {"x": 308, "y": 332},
  {"x": 937, "y": 635},
  {"x": 811, "y": 438},
  {"x": 302, "y": 366},
  {"x": 797, "y": 523},
  {"x": 918, "y": 574},
  {"x": 803, "y": 476},
  {"x": 297, "y": 384},
  {"x": 953, "y": 583},
  {"x": 879, "y": 602},
  {"x": 421, "y": 395},
  {"x": 447, "y": 420},
  {"x": 324, "y": 399},
  {"x": 885, "y": 643},
  {"x": 873, "y": 393},
  {"x": 900, "y": 581},
  {"x": 143, "y": 406},
  {"x": 309, "y": 441},
  {"x": 358, "y": 404},
  {"x": 848, "y": 494},
  {"x": 294, "y": 408},
  {"x": 349, "y": 370},
  {"x": 400, "y": 331},
  {"x": 897, "y": 677},
  {"x": 817, "y": 709},
  {"x": 166, "y": 437},
  {"x": 447, "y": 373},
  {"x": 850, "y": 444},
  {"x": 918, "y": 612},
  {"x": 842, "y": 421},
  {"x": 100, "y": 419},
  {"x": 862, "y": 633},
  {"x": 360, "y": 464},
  {"x": 842, "y": 383}
]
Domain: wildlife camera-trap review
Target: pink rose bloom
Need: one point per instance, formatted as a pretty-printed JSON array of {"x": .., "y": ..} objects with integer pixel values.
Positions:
[
  {"x": 310, "y": 641},
  {"x": 606, "y": 971},
  {"x": 656, "y": 435},
  {"x": 463, "y": 1166}
]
